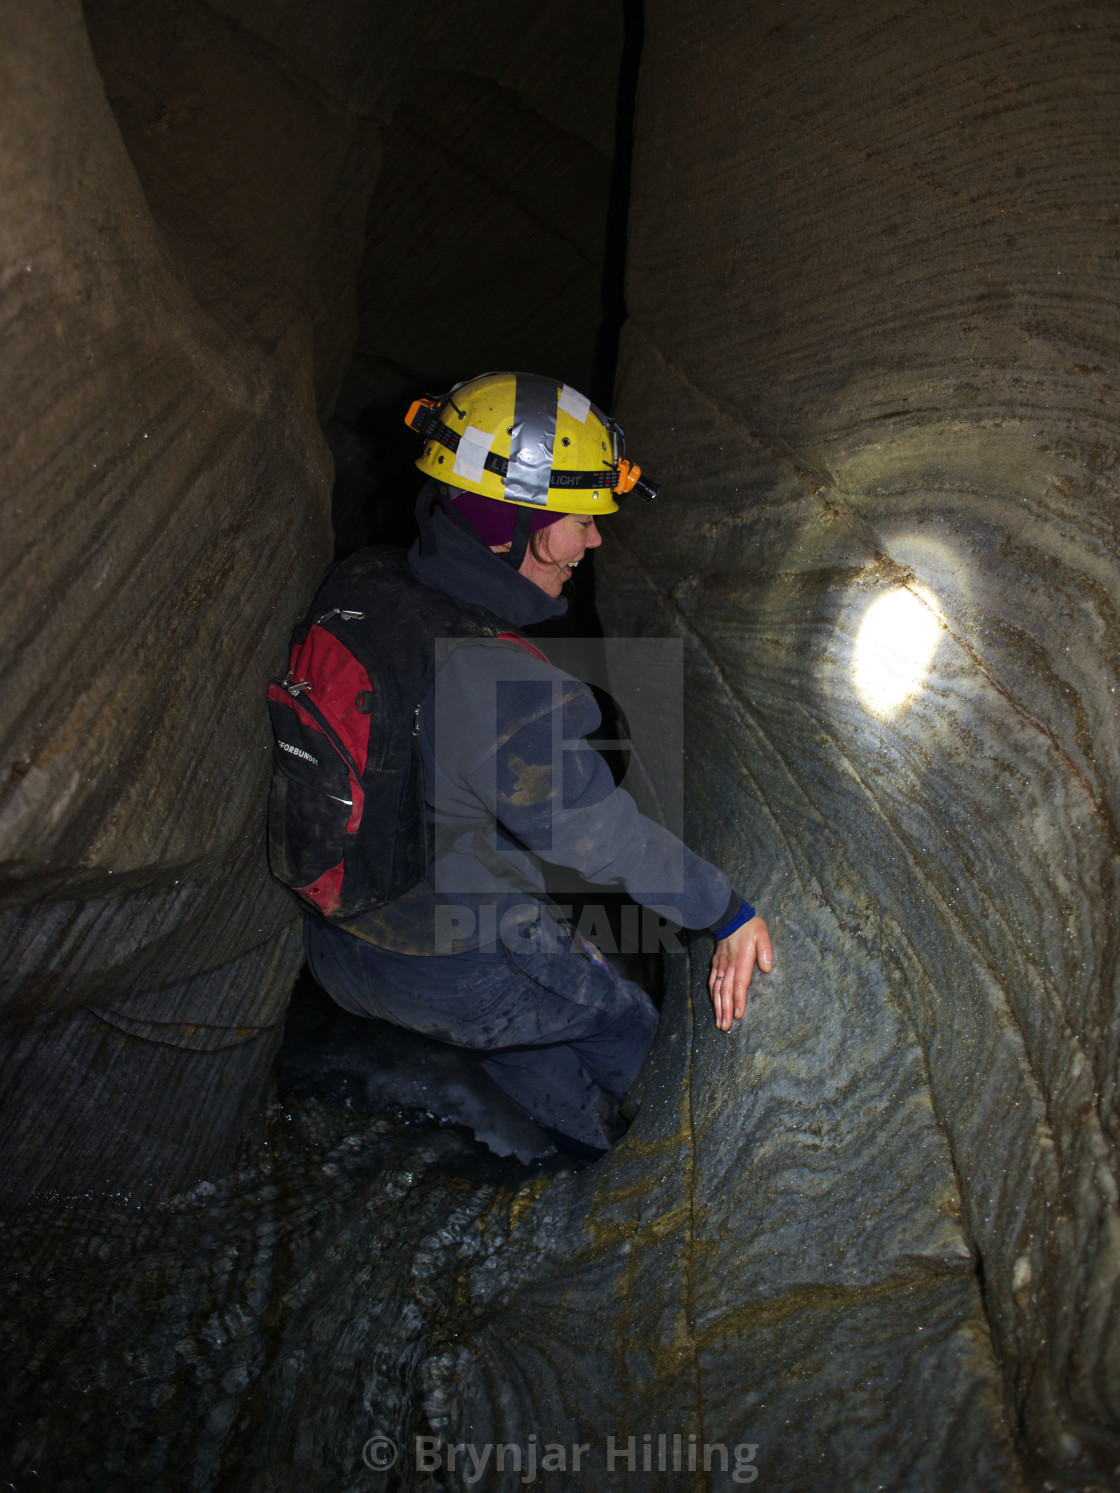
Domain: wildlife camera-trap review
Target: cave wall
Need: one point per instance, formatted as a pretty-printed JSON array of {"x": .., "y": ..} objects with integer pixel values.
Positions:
[
  {"x": 490, "y": 235},
  {"x": 873, "y": 347},
  {"x": 191, "y": 252},
  {"x": 166, "y": 500},
  {"x": 513, "y": 217},
  {"x": 871, "y": 350},
  {"x": 498, "y": 159}
]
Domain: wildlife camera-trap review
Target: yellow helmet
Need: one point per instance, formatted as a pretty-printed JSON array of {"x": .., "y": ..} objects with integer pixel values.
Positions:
[{"x": 525, "y": 439}]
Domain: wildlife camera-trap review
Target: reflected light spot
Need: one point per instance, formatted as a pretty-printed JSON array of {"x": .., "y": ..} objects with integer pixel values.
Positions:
[{"x": 894, "y": 650}]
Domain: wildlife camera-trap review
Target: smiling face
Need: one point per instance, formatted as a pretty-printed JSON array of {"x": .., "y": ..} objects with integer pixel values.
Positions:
[{"x": 557, "y": 550}]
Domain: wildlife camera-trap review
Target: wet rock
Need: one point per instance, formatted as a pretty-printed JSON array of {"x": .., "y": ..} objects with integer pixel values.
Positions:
[{"x": 766, "y": 1284}]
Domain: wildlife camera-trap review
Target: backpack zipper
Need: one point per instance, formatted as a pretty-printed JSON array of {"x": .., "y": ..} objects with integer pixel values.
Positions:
[
  {"x": 300, "y": 689},
  {"x": 339, "y": 612}
]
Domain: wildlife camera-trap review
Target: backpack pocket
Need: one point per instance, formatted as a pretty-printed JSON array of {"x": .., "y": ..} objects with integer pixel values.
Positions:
[
  {"x": 348, "y": 824},
  {"x": 391, "y": 863},
  {"x": 311, "y": 804}
]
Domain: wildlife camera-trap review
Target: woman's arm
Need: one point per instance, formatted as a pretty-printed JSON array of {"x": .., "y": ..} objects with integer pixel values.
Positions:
[{"x": 520, "y": 744}]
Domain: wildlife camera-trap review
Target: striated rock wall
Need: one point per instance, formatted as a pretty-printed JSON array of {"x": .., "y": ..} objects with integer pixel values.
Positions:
[
  {"x": 871, "y": 356},
  {"x": 165, "y": 489},
  {"x": 873, "y": 353},
  {"x": 740, "y": 1273}
]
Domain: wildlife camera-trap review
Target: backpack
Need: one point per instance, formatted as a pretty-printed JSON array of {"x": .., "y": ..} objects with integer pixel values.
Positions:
[{"x": 347, "y": 825}]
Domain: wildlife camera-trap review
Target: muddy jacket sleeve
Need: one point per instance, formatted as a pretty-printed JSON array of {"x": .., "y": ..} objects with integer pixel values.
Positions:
[{"x": 511, "y": 735}]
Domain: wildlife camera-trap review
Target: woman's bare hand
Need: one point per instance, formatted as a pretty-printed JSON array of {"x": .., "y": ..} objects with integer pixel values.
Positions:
[{"x": 732, "y": 966}]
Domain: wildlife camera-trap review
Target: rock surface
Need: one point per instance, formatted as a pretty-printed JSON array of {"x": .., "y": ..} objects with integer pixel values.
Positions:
[
  {"x": 253, "y": 1331},
  {"x": 873, "y": 354},
  {"x": 166, "y": 511},
  {"x": 513, "y": 218}
]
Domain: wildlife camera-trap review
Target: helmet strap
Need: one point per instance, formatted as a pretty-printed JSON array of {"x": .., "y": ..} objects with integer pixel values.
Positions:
[
  {"x": 516, "y": 552},
  {"x": 429, "y": 545},
  {"x": 520, "y": 544},
  {"x": 443, "y": 500}
]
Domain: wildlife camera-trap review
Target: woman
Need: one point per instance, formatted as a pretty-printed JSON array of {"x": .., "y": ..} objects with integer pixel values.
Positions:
[{"x": 522, "y": 470}]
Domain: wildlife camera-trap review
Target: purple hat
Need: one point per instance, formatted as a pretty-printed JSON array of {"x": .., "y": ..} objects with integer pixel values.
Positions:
[{"x": 494, "y": 521}]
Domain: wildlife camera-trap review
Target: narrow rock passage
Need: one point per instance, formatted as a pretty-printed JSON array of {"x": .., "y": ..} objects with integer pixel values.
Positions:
[{"x": 872, "y": 1237}]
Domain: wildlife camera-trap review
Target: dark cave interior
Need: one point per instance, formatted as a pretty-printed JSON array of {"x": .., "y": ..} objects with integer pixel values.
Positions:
[{"x": 848, "y": 275}]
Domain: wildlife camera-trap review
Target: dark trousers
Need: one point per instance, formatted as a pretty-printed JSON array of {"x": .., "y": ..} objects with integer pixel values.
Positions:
[{"x": 563, "y": 1035}]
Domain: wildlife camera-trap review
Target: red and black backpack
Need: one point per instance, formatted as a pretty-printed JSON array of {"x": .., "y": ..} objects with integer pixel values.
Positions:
[{"x": 347, "y": 823}]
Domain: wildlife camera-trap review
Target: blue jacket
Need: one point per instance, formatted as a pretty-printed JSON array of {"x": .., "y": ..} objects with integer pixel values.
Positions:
[{"x": 512, "y": 781}]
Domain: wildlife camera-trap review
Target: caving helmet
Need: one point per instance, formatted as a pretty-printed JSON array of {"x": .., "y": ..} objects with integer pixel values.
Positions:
[{"x": 525, "y": 439}]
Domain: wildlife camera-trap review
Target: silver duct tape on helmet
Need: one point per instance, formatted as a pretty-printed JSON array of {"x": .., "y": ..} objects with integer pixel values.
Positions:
[{"x": 532, "y": 440}]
